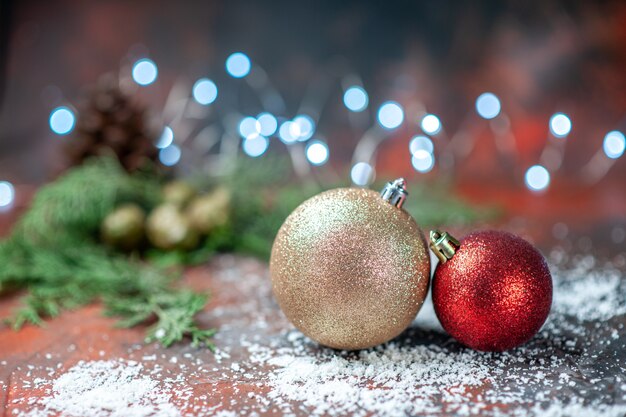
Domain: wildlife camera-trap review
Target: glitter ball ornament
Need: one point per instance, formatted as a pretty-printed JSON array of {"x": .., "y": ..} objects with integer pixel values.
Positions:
[
  {"x": 350, "y": 268},
  {"x": 492, "y": 291}
]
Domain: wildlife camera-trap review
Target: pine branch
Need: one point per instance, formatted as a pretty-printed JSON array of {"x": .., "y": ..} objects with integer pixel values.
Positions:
[{"x": 53, "y": 254}]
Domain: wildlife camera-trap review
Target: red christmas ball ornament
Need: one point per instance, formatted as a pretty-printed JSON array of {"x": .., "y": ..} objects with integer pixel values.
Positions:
[{"x": 492, "y": 291}]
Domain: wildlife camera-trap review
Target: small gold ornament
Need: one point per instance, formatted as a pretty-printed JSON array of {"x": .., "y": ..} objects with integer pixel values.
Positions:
[
  {"x": 123, "y": 228},
  {"x": 167, "y": 228},
  {"x": 350, "y": 268},
  {"x": 207, "y": 212},
  {"x": 178, "y": 193}
]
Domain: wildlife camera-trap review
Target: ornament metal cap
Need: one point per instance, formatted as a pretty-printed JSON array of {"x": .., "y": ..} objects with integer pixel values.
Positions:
[
  {"x": 394, "y": 192},
  {"x": 443, "y": 245}
]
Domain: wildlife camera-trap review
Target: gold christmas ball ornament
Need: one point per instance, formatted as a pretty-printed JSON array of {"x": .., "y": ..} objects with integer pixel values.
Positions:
[
  {"x": 123, "y": 228},
  {"x": 178, "y": 193},
  {"x": 167, "y": 228},
  {"x": 206, "y": 212},
  {"x": 350, "y": 268}
]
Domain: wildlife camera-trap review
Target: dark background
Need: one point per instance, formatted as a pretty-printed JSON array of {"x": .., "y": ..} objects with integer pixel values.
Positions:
[{"x": 538, "y": 57}]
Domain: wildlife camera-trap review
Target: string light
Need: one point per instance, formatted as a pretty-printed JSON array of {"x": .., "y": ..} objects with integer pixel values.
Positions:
[
  {"x": 355, "y": 99},
  {"x": 390, "y": 115},
  {"x": 614, "y": 144},
  {"x": 145, "y": 72},
  {"x": 423, "y": 161},
  {"x": 431, "y": 124},
  {"x": 488, "y": 105},
  {"x": 238, "y": 65},
  {"x": 255, "y": 146},
  {"x": 256, "y": 131},
  {"x": 560, "y": 125},
  {"x": 166, "y": 139},
  {"x": 204, "y": 91},
  {"x": 268, "y": 122},
  {"x": 362, "y": 174},
  {"x": 170, "y": 156},
  {"x": 306, "y": 127},
  {"x": 249, "y": 128},
  {"x": 317, "y": 152},
  {"x": 421, "y": 142},
  {"x": 537, "y": 178},
  {"x": 288, "y": 132},
  {"x": 7, "y": 194},
  {"x": 62, "y": 120}
]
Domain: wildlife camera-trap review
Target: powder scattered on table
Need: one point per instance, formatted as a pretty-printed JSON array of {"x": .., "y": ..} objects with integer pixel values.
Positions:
[{"x": 574, "y": 367}]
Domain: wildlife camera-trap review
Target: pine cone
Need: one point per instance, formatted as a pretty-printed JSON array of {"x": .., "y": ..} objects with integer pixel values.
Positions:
[{"x": 111, "y": 122}]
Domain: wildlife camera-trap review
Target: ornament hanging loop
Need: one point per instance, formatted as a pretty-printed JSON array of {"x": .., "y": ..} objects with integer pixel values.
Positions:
[
  {"x": 443, "y": 245},
  {"x": 394, "y": 192}
]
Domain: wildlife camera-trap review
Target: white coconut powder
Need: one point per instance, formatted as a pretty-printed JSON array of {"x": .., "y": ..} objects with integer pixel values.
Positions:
[{"x": 573, "y": 367}]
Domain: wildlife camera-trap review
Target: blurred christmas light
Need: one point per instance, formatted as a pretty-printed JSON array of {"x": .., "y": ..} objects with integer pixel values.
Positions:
[
  {"x": 255, "y": 146},
  {"x": 204, "y": 91},
  {"x": 560, "y": 125},
  {"x": 294, "y": 130},
  {"x": 268, "y": 122},
  {"x": 618, "y": 235},
  {"x": 166, "y": 139},
  {"x": 306, "y": 127},
  {"x": 355, "y": 99},
  {"x": 362, "y": 174},
  {"x": 170, "y": 156},
  {"x": 145, "y": 71},
  {"x": 288, "y": 132},
  {"x": 7, "y": 194},
  {"x": 431, "y": 124},
  {"x": 317, "y": 152},
  {"x": 238, "y": 65},
  {"x": 614, "y": 144},
  {"x": 537, "y": 178},
  {"x": 249, "y": 128},
  {"x": 390, "y": 115},
  {"x": 421, "y": 142},
  {"x": 62, "y": 120},
  {"x": 488, "y": 105},
  {"x": 423, "y": 161}
]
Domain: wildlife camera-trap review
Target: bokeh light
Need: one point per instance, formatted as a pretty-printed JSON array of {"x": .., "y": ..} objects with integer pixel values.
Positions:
[
  {"x": 7, "y": 194},
  {"x": 317, "y": 152},
  {"x": 170, "y": 156},
  {"x": 288, "y": 132},
  {"x": 421, "y": 142},
  {"x": 238, "y": 65},
  {"x": 423, "y": 161},
  {"x": 305, "y": 127},
  {"x": 249, "y": 128},
  {"x": 390, "y": 115},
  {"x": 560, "y": 125},
  {"x": 145, "y": 71},
  {"x": 537, "y": 178},
  {"x": 355, "y": 99},
  {"x": 255, "y": 146},
  {"x": 362, "y": 174},
  {"x": 431, "y": 124},
  {"x": 268, "y": 122},
  {"x": 204, "y": 91},
  {"x": 488, "y": 105},
  {"x": 166, "y": 138},
  {"x": 62, "y": 120},
  {"x": 614, "y": 144}
]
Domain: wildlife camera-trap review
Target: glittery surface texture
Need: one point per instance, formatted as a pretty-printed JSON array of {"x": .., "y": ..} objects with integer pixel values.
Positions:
[
  {"x": 495, "y": 293},
  {"x": 349, "y": 269}
]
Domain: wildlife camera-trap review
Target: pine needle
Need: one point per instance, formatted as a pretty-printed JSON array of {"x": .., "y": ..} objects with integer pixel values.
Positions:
[{"x": 53, "y": 254}]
